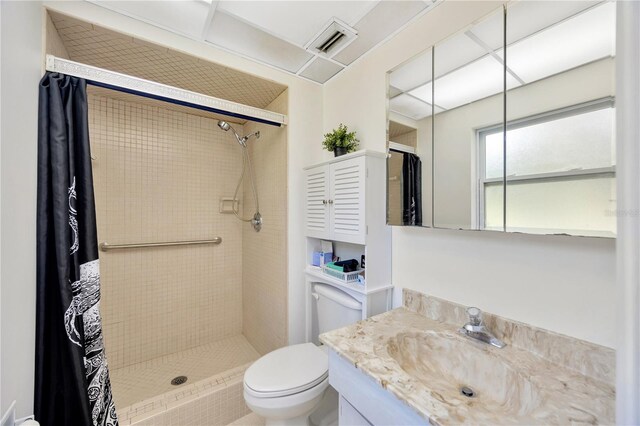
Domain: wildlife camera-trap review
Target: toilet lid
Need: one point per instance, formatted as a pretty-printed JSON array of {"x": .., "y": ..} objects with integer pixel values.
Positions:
[{"x": 287, "y": 370}]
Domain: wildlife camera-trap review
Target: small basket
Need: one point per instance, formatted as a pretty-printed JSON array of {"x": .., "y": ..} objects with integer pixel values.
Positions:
[{"x": 347, "y": 277}]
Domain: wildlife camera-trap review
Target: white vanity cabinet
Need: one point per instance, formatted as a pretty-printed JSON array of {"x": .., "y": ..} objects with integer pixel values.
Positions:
[
  {"x": 363, "y": 401},
  {"x": 338, "y": 193},
  {"x": 348, "y": 415}
]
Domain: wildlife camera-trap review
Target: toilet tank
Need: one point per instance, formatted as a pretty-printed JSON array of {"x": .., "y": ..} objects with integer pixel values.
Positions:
[{"x": 333, "y": 309}]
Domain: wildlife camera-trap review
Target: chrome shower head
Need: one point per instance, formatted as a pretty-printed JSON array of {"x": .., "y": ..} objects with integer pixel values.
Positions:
[
  {"x": 241, "y": 140},
  {"x": 226, "y": 126}
]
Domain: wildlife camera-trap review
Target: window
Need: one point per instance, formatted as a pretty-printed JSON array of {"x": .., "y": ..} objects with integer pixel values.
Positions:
[{"x": 560, "y": 173}]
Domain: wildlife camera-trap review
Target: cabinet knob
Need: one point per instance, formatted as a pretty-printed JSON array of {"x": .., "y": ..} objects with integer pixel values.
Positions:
[
  {"x": 330, "y": 201},
  {"x": 324, "y": 201}
]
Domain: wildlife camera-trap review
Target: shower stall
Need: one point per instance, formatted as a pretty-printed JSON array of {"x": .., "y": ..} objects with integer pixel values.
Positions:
[{"x": 190, "y": 294}]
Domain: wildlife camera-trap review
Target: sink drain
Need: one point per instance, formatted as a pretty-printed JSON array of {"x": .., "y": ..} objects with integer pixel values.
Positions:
[
  {"x": 467, "y": 391},
  {"x": 178, "y": 380}
]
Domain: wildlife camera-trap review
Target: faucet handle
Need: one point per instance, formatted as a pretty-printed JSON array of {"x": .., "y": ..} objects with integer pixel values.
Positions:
[{"x": 475, "y": 316}]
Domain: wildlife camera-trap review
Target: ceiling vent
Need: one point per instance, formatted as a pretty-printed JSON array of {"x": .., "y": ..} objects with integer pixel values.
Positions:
[{"x": 333, "y": 37}]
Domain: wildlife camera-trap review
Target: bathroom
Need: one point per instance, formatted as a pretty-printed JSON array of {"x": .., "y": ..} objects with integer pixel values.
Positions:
[{"x": 166, "y": 169}]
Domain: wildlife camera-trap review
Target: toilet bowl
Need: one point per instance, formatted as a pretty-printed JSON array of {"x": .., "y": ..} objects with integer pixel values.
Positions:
[{"x": 287, "y": 385}]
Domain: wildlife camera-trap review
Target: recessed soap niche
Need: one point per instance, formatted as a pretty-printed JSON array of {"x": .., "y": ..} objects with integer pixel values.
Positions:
[{"x": 229, "y": 205}]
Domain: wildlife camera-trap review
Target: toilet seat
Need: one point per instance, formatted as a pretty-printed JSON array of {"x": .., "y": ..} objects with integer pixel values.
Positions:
[{"x": 287, "y": 371}]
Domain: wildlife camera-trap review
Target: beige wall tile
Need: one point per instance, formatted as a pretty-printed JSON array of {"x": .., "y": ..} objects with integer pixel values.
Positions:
[
  {"x": 159, "y": 176},
  {"x": 264, "y": 253}
]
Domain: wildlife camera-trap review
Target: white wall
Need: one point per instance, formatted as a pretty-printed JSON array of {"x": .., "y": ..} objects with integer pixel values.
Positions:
[
  {"x": 20, "y": 74},
  {"x": 565, "y": 284},
  {"x": 628, "y": 243}
]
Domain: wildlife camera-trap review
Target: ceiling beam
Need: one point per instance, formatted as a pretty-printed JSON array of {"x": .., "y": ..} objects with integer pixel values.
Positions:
[
  {"x": 207, "y": 23},
  {"x": 493, "y": 54}
]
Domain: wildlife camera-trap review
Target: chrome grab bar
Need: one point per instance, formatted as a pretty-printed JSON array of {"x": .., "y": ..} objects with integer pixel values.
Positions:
[{"x": 106, "y": 246}]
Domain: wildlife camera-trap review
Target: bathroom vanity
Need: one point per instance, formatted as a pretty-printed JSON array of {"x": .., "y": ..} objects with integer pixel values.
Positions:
[{"x": 411, "y": 365}]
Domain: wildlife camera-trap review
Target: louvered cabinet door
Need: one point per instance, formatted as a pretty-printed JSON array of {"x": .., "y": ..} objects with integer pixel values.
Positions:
[
  {"x": 317, "y": 207},
  {"x": 346, "y": 201}
]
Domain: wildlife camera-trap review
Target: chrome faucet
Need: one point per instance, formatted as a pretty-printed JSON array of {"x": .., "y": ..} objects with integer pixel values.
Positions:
[{"x": 475, "y": 329}]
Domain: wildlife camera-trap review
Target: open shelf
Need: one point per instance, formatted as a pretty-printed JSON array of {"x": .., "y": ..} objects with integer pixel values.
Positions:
[{"x": 316, "y": 272}]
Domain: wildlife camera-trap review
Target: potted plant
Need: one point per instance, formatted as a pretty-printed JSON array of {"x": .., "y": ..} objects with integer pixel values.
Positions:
[{"x": 341, "y": 141}]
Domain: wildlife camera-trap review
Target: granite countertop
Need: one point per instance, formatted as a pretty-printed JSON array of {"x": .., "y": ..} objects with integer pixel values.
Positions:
[{"x": 540, "y": 377}]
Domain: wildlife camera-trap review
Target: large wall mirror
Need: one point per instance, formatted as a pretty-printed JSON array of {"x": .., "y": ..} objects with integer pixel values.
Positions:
[
  {"x": 409, "y": 143},
  {"x": 522, "y": 145}
]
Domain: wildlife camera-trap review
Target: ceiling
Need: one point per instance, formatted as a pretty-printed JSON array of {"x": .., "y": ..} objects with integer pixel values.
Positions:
[
  {"x": 398, "y": 129},
  {"x": 543, "y": 39},
  {"x": 282, "y": 34},
  {"x": 93, "y": 45}
]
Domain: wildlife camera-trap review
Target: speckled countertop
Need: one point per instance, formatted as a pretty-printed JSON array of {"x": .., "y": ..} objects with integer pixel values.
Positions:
[{"x": 540, "y": 377}]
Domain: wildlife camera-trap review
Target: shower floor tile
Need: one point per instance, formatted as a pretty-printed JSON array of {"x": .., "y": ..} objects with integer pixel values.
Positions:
[{"x": 144, "y": 380}]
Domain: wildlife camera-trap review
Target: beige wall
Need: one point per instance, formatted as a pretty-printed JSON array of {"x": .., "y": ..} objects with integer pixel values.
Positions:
[
  {"x": 564, "y": 284},
  {"x": 54, "y": 44},
  {"x": 159, "y": 176},
  {"x": 264, "y": 260}
]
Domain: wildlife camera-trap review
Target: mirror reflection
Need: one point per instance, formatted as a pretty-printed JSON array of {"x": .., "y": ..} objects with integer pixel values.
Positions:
[
  {"x": 552, "y": 169},
  {"x": 409, "y": 143},
  {"x": 468, "y": 95},
  {"x": 560, "y": 142}
]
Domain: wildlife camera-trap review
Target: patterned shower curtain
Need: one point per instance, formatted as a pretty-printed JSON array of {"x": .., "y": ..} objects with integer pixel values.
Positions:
[
  {"x": 411, "y": 190},
  {"x": 72, "y": 378}
]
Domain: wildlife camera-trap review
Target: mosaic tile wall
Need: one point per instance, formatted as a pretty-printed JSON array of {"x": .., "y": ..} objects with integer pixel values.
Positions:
[
  {"x": 264, "y": 271},
  {"x": 94, "y": 45},
  {"x": 159, "y": 176},
  {"x": 54, "y": 44}
]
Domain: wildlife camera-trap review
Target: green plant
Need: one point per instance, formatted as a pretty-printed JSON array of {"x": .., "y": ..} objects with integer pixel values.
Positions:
[{"x": 340, "y": 138}]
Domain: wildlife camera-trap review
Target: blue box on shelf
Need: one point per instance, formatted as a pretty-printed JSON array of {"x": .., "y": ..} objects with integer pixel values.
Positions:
[{"x": 321, "y": 259}]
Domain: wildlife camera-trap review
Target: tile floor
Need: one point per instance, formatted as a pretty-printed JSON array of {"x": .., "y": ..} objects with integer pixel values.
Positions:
[{"x": 145, "y": 380}]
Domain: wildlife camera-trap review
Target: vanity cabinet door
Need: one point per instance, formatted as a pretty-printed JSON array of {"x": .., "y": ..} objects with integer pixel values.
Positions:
[
  {"x": 349, "y": 416},
  {"x": 317, "y": 205},
  {"x": 347, "y": 200}
]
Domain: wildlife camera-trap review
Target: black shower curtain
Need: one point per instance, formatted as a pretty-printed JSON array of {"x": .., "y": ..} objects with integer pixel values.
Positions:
[
  {"x": 72, "y": 379},
  {"x": 411, "y": 190}
]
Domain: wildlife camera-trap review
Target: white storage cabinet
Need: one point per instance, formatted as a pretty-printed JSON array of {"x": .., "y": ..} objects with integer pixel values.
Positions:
[{"x": 336, "y": 200}]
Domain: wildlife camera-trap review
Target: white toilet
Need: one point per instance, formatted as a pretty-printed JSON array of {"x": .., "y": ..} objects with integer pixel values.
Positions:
[{"x": 288, "y": 384}]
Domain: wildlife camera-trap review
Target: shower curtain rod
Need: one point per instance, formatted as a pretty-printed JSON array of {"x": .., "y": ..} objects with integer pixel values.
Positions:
[{"x": 150, "y": 89}]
